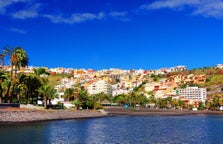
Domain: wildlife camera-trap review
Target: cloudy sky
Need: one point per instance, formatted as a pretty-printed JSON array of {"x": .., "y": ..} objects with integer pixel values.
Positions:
[{"x": 127, "y": 34}]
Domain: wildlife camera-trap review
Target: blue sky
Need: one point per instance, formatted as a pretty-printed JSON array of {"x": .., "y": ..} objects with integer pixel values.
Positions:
[{"x": 127, "y": 34}]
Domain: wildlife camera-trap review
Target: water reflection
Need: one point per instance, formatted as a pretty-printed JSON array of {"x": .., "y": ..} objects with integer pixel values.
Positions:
[{"x": 125, "y": 129}]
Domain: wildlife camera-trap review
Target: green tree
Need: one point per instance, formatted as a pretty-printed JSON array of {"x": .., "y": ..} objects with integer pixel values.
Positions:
[
  {"x": 41, "y": 73},
  {"x": 143, "y": 100},
  {"x": 69, "y": 94},
  {"x": 181, "y": 104},
  {"x": 162, "y": 102},
  {"x": 175, "y": 103},
  {"x": 83, "y": 97},
  {"x": 21, "y": 87},
  {"x": 3, "y": 78},
  {"x": 77, "y": 103},
  {"x": 99, "y": 97},
  {"x": 201, "y": 106},
  {"x": 52, "y": 95},
  {"x": 215, "y": 103},
  {"x": 18, "y": 59},
  {"x": 32, "y": 84},
  {"x": 152, "y": 99},
  {"x": 48, "y": 93},
  {"x": 121, "y": 99}
]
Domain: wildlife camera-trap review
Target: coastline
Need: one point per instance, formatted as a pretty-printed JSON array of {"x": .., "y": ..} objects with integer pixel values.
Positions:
[
  {"x": 13, "y": 116},
  {"x": 158, "y": 112}
]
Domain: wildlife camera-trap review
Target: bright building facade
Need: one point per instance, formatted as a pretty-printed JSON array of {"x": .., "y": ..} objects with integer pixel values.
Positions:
[
  {"x": 99, "y": 87},
  {"x": 194, "y": 93}
]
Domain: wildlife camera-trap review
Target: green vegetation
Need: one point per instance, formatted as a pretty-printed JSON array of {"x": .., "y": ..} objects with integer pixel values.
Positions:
[
  {"x": 24, "y": 88},
  {"x": 157, "y": 77}
]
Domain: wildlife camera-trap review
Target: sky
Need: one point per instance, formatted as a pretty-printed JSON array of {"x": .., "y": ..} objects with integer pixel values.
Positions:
[{"x": 126, "y": 34}]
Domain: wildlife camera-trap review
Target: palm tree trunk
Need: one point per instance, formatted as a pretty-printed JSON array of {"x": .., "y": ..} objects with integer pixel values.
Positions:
[
  {"x": 49, "y": 103},
  {"x": 7, "y": 93},
  {"x": 45, "y": 102},
  {"x": 11, "y": 72},
  {"x": 18, "y": 98},
  {"x": 27, "y": 97},
  {"x": 36, "y": 98},
  {"x": 1, "y": 94}
]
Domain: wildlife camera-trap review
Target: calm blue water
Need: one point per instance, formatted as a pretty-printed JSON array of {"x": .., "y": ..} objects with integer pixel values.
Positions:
[{"x": 124, "y": 129}]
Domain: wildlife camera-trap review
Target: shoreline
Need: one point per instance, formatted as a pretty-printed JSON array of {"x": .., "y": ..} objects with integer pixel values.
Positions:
[
  {"x": 159, "y": 112},
  {"x": 16, "y": 116}
]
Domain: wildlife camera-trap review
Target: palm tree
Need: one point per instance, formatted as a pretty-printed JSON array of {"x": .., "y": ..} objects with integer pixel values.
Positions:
[
  {"x": 143, "y": 100},
  {"x": 32, "y": 84},
  {"x": 40, "y": 71},
  {"x": 69, "y": 93},
  {"x": 100, "y": 96},
  {"x": 121, "y": 99},
  {"x": 162, "y": 103},
  {"x": 181, "y": 104},
  {"x": 41, "y": 74},
  {"x": 18, "y": 59},
  {"x": 83, "y": 97},
  {"x": 21, "y": 86},
  {"x": 77, "y": 103},
  {"x": 48, "y": 93},
  {"x": 3, "y": 77},
  {"x": 52, "y": 94},
  {"x": 153, "y": 101},
  {"x": 215, "y": 103},
  {"x": 175, "y": 103}
]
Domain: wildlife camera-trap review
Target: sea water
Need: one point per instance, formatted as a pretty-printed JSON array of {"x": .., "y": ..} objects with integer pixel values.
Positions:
[{"x": 120, "y": 129}]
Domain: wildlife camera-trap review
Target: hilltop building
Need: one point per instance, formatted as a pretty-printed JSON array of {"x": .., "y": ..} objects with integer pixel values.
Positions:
[
  {"x": 220, "y": 66},
  {"x": 177, "y": 68}
]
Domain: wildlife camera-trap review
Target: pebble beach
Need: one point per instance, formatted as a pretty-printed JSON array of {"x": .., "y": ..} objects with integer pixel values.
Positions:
[
  {"x": 21, "y": 115},
  {"x": 14, "y": 115}
]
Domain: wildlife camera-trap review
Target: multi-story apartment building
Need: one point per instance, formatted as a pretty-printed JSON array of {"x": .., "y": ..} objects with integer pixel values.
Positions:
[
  {"x": 193, "y": 93},
  {"x": 100, "y": 86}
]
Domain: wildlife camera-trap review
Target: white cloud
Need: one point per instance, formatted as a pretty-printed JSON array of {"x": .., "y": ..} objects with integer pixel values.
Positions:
[
  {"x": 170, "y": 4},
  {"x": 211, "y": 9},
  {"x": 30, "y": 12},
  {"x": 75, "y": 18},
  {"x": 34, "y": 10},
  {"x": 207, "y": 8},
  {"x": 17, "y": 30},
  {"x": 5, "y": 3},
  {"x": 118, "y": 14}
]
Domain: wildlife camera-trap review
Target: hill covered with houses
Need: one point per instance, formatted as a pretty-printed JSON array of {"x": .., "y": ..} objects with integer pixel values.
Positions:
[
  {"x": 175, "y": 87},
  {"x": 166, "y": 88}
]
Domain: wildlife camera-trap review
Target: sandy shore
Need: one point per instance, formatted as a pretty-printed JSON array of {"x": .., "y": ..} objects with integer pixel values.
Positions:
[{"x": 8, "y": 116}]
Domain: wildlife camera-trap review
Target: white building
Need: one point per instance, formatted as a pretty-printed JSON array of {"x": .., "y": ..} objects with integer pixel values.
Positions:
[
  {"x": 177, "y": 68},
  {"x": 119, "y": 91},
  {"x": 194, "y": 93},
  {"x": 220, "y": 66},
  {"x": 149, "y": 86},
  {"x": 100, "y": 86}
]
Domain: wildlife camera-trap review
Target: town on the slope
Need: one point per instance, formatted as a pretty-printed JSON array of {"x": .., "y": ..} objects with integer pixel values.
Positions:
[{"x": 115, "y": 82}]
